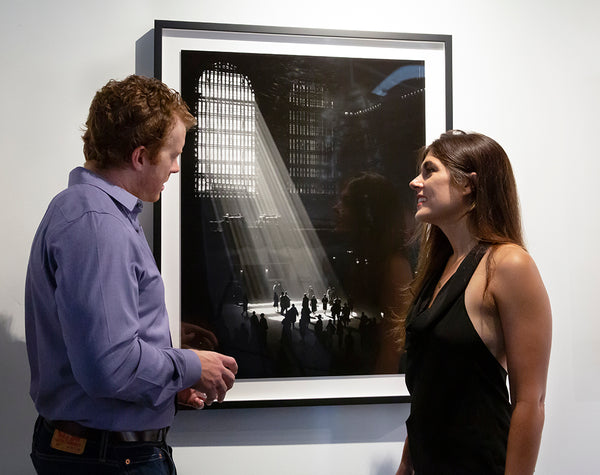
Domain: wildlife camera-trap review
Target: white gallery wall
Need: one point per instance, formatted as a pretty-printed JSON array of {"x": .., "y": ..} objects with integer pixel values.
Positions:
[{"x": 525, "y": 72}]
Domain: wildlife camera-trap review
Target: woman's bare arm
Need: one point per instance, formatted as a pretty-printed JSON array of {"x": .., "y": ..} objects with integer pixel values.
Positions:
[{"x": 524, "y": 311}]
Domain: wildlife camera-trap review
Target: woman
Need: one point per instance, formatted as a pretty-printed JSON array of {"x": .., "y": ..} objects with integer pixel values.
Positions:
[
  {"x": 480, "y": 312},
  {"x": 371, "y": 214}
]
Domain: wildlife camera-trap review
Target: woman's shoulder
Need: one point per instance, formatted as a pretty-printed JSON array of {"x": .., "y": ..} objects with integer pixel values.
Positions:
[
  {"x": 509, "y": 257},
  {"x": 510, "y": 265}
]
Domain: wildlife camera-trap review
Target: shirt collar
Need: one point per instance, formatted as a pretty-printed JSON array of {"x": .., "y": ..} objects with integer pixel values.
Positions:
[{"x": 83, "y": 176}]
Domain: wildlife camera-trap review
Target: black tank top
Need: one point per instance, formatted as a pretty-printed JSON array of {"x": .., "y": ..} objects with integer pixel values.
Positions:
[{"x": 460, "y": 409}]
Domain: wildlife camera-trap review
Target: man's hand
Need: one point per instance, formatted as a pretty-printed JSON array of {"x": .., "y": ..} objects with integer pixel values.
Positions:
[
  {"x": 218, "y": 375},
  {"x": 192, "y": 398}
]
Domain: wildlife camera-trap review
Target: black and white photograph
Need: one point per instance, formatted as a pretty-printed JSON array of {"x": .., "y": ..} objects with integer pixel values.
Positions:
[{"x": 295, "y": 213}]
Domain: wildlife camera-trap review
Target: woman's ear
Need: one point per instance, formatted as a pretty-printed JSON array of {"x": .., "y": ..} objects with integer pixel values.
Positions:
[{"x": 470, "y": 183}]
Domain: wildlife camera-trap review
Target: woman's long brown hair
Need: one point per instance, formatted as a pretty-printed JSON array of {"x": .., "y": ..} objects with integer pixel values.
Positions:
[{"x": 494, "y": 217}]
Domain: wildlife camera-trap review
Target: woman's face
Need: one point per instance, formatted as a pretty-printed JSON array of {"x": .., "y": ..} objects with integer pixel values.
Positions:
[{"x": 439, "y": 199}]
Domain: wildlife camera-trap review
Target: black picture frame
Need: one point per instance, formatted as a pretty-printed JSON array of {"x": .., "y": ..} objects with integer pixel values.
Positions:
[{"x": 172, "y": 38}]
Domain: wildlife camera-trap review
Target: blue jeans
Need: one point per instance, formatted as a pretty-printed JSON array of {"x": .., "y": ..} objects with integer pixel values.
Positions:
[{"x": 100, "y": 457}]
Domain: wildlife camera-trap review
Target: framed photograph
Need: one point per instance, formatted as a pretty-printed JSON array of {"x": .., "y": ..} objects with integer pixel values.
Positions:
[{"x": 283, "y": 241}]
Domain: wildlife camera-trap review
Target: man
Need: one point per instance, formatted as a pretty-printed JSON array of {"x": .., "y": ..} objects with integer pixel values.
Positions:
[{"x": 104, "y": 375}]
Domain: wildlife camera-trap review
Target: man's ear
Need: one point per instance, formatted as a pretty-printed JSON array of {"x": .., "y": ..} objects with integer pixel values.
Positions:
[{"x": 139, "y": 157}]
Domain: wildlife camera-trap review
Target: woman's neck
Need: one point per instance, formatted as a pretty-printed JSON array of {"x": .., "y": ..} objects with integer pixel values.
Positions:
[{"x": 461, "y": 240}]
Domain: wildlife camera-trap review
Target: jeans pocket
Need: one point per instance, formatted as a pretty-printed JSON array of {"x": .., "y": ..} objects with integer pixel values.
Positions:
[{"x": 59, "y": 464}]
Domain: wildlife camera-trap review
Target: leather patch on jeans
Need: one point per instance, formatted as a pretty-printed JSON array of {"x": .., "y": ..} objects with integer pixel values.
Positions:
[{"x": 67, "y": 443}]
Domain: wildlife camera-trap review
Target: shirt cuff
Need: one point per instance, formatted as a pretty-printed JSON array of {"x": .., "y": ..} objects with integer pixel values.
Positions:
[{"x": 193, "y": 368}]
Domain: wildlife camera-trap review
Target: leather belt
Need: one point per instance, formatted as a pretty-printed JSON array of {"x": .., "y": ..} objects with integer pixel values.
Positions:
[{"x": 77, "y": 430}]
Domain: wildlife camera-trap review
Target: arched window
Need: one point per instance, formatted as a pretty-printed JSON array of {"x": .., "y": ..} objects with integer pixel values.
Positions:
[{"x": 226, "y": 134}]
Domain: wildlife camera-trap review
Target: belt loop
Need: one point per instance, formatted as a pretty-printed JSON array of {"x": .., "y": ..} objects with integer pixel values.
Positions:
[{"x": 103, "y": 445}]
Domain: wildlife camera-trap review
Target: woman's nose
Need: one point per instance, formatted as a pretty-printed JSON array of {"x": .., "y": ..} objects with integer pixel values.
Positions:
[{"x": 416, "y": 183}]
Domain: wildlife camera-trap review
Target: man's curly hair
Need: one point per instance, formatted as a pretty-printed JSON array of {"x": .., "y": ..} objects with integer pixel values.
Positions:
[{"x": 130, "y": 113}]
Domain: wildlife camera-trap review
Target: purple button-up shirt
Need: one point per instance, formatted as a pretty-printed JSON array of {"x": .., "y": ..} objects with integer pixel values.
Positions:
[{"x": 96, "y": 323}]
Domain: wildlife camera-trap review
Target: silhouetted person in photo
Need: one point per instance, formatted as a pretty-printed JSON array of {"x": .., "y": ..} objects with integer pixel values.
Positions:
[
  {"x": 319, "y": 328},
  {"x": 304, "y": 322},
  {"x": 313, "y": 304},
  {"x": 292, "y": 315},
  {"x": 330, "y": 294},
  {"x": 245, "y": 305},
  {"x": 263, "y": 322},
  {"x": 329, "y": 333},
  {"x": 305, "y": 301},
  {"x": 345, "y": 314},
  {"x": 284, "y": 302},
  {"x": 336, "y": 309}
]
